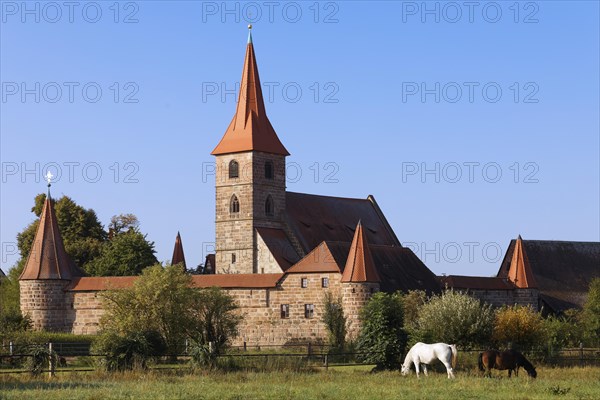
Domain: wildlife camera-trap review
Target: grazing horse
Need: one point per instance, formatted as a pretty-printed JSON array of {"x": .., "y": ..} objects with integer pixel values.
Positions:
[
  {"x": 425, "y": 354},
  {"x": 509, "y": 359}
]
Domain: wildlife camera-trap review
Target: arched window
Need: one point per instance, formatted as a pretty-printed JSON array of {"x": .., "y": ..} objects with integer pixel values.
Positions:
[
  {"x": 234, "y": 169},
  {"x": 269, "y": 207},
  {"x": 234, "y": 205},
  {"x": 269, "y": 172}
]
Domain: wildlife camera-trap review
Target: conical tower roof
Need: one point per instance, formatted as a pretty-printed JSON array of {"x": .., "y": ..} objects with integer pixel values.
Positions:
[
  {"x": 48, "y": 258},
  {"x": 178, "y": 256},
  {"x": 360, "y": 266},
  {"x": 520, "y": 272},
  {"x": 250, "y": 129}
]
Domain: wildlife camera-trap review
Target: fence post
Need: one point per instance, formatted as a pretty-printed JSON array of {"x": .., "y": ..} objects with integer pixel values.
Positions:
[
  {"x": 326, "y": 362},
  {"x": 10, "y": 347},
  {"x": 186, "y": 346},
  {"x": 581, "y": 353},
  {"x": 309, "y": 349},
  {"x": 50, "y": 361},
  {"x": 245, "y": 348}
]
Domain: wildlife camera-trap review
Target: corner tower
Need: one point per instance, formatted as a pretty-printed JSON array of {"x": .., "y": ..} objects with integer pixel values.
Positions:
[
  {"x": 250, "y": 176},
  {"x": 46, "y": 274}
]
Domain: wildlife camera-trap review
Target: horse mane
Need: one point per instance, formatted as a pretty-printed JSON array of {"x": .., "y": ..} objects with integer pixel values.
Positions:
[{"x": 525, "y": 363}]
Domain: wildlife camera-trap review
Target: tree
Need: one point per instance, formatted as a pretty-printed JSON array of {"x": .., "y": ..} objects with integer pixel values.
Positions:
[
  {"x": 217, "y": 319},
  {"x": 591, "y": 312},
  {"x": 11, "y": 319},
  {"x": 454, "y": 318},
  {"x": 520, "y": 327},
  {"x": 161, "y": 300},
  {"x": 334, "y": 320},
  {"x": 414, "y": 300},
  {"x": 82, "y": 233},
  {"x": 121, "y": 223},
  {"x": 128, "y": 253},
  {"x": 382, "y": 339}
]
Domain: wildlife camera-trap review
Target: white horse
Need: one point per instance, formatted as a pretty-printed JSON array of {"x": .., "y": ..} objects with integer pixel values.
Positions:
[{"x": 424, "y": 354}]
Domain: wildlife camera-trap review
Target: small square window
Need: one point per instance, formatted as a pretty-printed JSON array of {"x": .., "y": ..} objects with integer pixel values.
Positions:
[
  {"x": 309, "y": 310},
  {"x": 285, "y": 311},
  {"x": 325, "y": 282},
  {"x": 304, "y": 282},
  {"x": 233, "y": 258}
]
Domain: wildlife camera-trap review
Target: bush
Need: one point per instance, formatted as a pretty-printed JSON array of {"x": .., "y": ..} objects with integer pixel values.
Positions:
[
  {"x": 334, "y": 320},
  {"x": 133, "y": 351},
  {"x": 454, "y": 318},
  {"x": 591, "y": 314},
  {"x": 13, "y": 322},
  {"x": 382, "y": 339},
  {"x": 518, "y": 327},
  {"x": 563, "y": 331},
  {"x": 39, "y": 359}
]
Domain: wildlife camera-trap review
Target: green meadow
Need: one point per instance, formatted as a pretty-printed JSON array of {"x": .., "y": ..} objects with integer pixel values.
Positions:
[{"x": 337, "y": 383}]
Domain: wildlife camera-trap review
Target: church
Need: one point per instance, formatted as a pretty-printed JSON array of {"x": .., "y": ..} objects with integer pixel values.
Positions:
[{"x": 276, "y": 252}]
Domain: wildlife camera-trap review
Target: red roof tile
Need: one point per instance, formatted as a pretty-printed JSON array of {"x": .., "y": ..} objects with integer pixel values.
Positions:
[
  {"x": 48, "y": 258},
  {"x": 280, "y": 247},
  {"x": 250, "y": 129},
  {"x": 97, "y": 283},
  {"x": 178, "y": 256},
  {"x": 319, "y": 260},
  {"x": 360, "y": 266}
]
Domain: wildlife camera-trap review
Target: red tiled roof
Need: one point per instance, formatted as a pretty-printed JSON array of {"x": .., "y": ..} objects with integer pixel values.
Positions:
[
  {"x": 232, "y": 281},
  {"x": 228, "y": 281},
  {"x": 178, "y": 256},
  {"x": 318, "y": 260},
  {"x": 314, "y": 219},
  {"x": 250, "y": 129},
  {"x": 280, "y": 247},
  {"x": 96, "y": 283},
  {"x": 360, "y": 266},
  {"x": 562, "y": 270},
  {"x": 48, "y": 258},
  {"x": 520, "y": 271},
  {"x": 476, "y": 282}
]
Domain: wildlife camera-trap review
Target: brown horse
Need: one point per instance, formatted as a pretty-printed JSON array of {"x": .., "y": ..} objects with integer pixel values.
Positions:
[{"x": 509, "y": 359}]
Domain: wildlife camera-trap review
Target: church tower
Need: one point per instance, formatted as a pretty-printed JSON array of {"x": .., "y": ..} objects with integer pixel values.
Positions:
[{"x": 250, "y": 177}]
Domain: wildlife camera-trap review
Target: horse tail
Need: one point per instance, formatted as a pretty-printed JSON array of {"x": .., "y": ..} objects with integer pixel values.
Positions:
[
  {"x": 454, "y": 355},
  {"x": 480, "y": 362}
]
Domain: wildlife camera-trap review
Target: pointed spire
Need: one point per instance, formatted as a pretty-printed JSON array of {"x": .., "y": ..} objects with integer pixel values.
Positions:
[
  {"x": 250, "y": 128},
  {"x": 178, "y": 256},
  {"x": 48, "y": 258},
  {"x": 360, "y": 266},
  {"x": 520, "y": 272}
]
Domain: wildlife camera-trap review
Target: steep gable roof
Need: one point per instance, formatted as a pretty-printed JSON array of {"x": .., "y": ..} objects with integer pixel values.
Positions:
[
  {"x": 320, "y": 259},
  {"x": 250, "y": 129},
  {"x": 360, "y": 266},
  {"x": 48, "y": 258},
  {"x": 520, "y": 272},
  {"x": 562, "y": 270},
  {"x": 314, "y": 219},
  {"x": 280, "y": 247},
  {"x": 178, "y": 255}
]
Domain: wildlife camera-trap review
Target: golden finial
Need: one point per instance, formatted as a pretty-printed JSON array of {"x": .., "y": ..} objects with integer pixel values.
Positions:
[{"x": 249, "y": 26}]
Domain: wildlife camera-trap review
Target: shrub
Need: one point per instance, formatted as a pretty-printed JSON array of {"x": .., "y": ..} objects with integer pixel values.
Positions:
[
  {"x": 132, "y": 351},
  {"x": 591, "y": 313},
  {"x": 454, "y": 318},
  {"x": 518, "y": 327},
  {"x": 39, "y": 359},
  {"x": 13, "y": 322},
  {"x": 334, "y": 320},
  {"x": 563, "y": 331},
  {"x": 382, "y": 339}
]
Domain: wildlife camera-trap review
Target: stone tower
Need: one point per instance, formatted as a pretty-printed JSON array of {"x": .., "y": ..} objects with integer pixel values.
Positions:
[
  {"x": 359, "y": 280},
  {"x": 46, "y": 274},
  {"x": 250, "y": 177}
]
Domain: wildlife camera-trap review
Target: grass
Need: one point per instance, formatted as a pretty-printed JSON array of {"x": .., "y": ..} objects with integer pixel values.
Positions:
[{"x": 338, "y": 383}]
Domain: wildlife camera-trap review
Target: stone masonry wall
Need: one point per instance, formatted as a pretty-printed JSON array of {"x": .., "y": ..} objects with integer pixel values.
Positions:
[
  {"x": 45, "y": 302},
  {"x": 355, "y": 296},
  {"x": 261, "y": 308}
]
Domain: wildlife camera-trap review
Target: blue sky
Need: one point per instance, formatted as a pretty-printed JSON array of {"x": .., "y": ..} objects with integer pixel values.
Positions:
[{"x": 468, "y": 125}]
